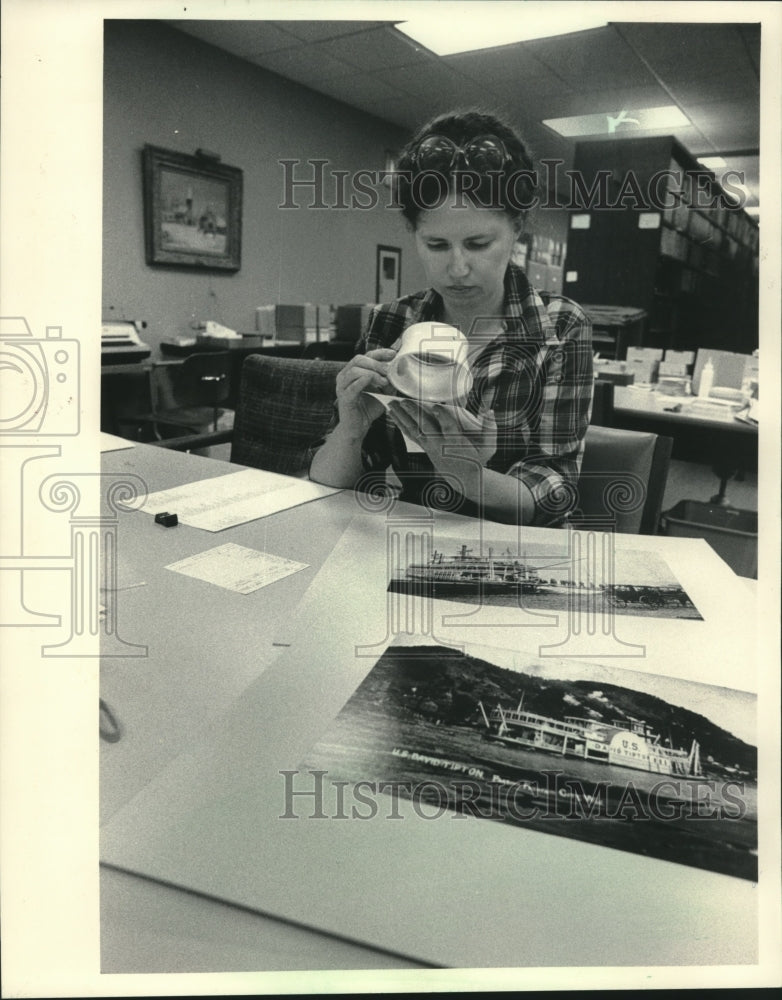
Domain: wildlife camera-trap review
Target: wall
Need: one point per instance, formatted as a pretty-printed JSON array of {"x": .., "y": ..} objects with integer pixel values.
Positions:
[{"x": 168, "y": 89}]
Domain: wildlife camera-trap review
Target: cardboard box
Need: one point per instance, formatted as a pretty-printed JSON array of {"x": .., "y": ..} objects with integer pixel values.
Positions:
[
  {"x": 643, "y": 370},
  {"x": 672, "y": 368},
  {"x": 288, "y": 322},
  {"x": 351, "y": 322},
  {"x": 295, "y": 317},
  {"x": 729, "y": 367},
  {"x": 264, "y": 321},
  {"x": 325, "y": 316},
  {"x": 645, "y": 354},
  {"x": 679, "y": 357}
]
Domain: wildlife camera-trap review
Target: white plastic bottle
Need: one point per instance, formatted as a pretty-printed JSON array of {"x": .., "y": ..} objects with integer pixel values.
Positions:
[{"x": 707, "y": 379}]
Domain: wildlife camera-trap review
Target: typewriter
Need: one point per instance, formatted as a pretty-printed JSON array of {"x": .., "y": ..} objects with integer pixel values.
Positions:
[{"x": 120, "y": 342}]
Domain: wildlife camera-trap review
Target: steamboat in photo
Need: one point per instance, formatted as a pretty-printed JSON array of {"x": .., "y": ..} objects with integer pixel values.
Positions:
[
  {"x": 546, "y": 582},
  {"x": 630, "y": 744},
  {"x": 469, "y": 574}
]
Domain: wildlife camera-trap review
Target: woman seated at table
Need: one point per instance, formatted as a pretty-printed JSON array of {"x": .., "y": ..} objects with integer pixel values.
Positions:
[{"x": 464, "y": 182}]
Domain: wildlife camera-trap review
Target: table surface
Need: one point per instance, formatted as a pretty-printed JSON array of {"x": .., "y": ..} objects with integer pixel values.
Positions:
[
  {"x": 182, "y": 684},
  {"x": 643, "y": 402},
  {"x": 196, "y": 667}
]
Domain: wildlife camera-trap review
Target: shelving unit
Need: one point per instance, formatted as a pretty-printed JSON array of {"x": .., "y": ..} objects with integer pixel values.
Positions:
[
  {"x": 544, "y": 264},
  {"x": 688, "y": 258},
  {"x": 615, "y": 328}
]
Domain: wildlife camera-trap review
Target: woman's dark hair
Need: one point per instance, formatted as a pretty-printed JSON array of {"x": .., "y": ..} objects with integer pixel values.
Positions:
[{"x": 508, "y": 189}]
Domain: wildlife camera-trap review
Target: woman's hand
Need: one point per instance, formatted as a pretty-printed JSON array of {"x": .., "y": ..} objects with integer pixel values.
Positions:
[
  {"x": 457, "y": 443},
  {"x": 458, "y": 446},
  {"x": 364, "y": 373}
]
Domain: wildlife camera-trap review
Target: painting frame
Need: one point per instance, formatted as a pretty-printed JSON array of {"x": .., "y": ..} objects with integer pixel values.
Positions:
[
  {"x": 192, "y": 210},
  {"x": 388, "y": 273}
]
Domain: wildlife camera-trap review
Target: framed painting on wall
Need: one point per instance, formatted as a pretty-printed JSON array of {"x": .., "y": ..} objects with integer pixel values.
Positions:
[
  {"x": 192, "y": 210},
  {"x": 388, "y": 280}
]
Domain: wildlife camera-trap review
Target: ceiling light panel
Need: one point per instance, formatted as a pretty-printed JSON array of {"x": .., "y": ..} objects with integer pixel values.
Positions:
[
  {"x": 712, "y": 162},
  {"x": 465, "y": 32},
  {"x": 619, "y": 122}
]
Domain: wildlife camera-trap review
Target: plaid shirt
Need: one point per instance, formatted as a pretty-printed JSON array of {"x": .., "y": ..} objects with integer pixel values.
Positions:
[{"x": 535, "y": 377}]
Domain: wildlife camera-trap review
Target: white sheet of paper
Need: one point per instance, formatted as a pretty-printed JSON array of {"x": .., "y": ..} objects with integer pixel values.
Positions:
[
  {"x": 412, "y": 446},
  {"x": 223, "y": 502},
  {"x": 236, "y": 567},
  {"x": 110, "y": 442}
]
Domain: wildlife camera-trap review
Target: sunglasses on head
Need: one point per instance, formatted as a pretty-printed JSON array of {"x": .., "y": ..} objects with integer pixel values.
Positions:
[{"x": 440, "y": 154}]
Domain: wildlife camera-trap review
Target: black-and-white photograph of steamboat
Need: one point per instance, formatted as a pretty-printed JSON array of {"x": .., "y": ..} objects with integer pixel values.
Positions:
[
  {"x": 627, "y": 742},
  {"x": 541, "y": 577},
  {"x": 632, "y": 761}
]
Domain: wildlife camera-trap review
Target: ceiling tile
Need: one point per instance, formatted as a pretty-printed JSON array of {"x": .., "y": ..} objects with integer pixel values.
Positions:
[
  {"x": 306, "y": 64},
  {"x": 399, "y": 110},
  {"x": 318, "y": 31},
  {"x": 600, "y": 56},
  {"x": 751, "y": 37},
  {"x": 730, "y": 135},
  {"x": 429, "y": 79},
  {"x": 509, "y": 62},
  {"x": 376, "y": 50},
  {"x": 346, "y": 88},
  {"x": 740, "y": 82},
  {"x": 528, "y": 99},
  {"x": 687, "y": 50},
  {"x": 744, "y": 112},
  {"x": 406, "y": 112},
  {"x": 243, "y": 38},
  {"x": 414, "y": 111}
]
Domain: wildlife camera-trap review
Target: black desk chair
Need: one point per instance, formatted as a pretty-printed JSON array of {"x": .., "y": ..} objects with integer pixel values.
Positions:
[
  {"x": 189, "y": 397},
  {"x": 623, "y": 476}
]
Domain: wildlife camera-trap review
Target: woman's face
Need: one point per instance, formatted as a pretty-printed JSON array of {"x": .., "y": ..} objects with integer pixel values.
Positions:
[{"x": 465, "y": 250}]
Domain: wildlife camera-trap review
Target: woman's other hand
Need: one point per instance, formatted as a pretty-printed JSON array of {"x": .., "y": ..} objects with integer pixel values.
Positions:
[
  {"x": 459, "y": 445},
  {"x": 364, "y": 373}
]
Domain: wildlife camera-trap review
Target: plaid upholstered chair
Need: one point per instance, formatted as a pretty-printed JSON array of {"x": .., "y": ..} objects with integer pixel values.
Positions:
[
  {"x": 283, "y": 409},
  {"x": 285, "y": 406}
]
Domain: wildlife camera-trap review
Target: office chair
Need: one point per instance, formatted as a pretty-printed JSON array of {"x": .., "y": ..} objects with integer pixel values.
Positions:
[
  {"x": 285, "y": 406},
  {"x": 623, "y": 476},
  {"x": 191, "y": 399}
]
